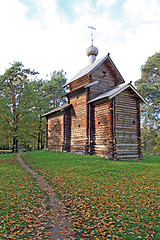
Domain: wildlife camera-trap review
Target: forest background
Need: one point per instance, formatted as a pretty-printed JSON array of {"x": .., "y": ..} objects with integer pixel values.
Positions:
[{"x": 24, "y": 98}]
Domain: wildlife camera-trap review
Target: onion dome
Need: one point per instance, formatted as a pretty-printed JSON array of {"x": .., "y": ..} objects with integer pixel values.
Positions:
[{"x": 92, "y": 52}]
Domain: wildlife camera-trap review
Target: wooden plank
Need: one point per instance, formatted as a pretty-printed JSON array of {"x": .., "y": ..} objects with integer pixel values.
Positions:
[
  {"x": 127, "y": 156},
  {"x": 78, "y": 121},
  {"x": 79, "y": 82},
  {"x": 106, "y": 79},
  {"x": 126, "y": 125},
  {"x": 126, "y": 144}
]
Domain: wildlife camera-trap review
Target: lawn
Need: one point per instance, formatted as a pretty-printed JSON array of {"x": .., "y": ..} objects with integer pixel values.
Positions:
[
  {"x": 106, "y": 199},
  {"x": 23, "y": 206}
]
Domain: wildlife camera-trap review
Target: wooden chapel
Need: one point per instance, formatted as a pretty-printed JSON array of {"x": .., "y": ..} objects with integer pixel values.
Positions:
[{"x": 101, "y": 116}]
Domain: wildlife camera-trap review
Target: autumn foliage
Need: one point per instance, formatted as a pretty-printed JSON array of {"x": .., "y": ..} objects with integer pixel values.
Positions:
[
  {"x": 105, "y": 199},
  {"x": 24, "y": 208}
]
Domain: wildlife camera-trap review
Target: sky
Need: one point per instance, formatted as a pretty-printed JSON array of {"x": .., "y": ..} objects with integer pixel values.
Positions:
[{"x": 48, "y": 35}]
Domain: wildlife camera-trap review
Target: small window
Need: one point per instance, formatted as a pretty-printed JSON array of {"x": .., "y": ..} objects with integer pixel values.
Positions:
[
  {"x": 104, "y": 74},
  {"x": 77, "y": 97},
  {"x": 79, "y": 125},
  {"x": 99, "y": 122},
  {"x": 133, "y": 122}
]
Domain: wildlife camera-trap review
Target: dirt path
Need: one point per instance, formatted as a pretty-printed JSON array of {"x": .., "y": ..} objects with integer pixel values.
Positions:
[{"x": 60, "y": 227}]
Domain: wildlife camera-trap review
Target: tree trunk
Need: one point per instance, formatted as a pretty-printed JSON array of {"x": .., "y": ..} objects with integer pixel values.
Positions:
[
  {"x": 39, "y": 133},
  {"x": 17, "y": 148},
  {"x": 15, "y": 139},
  {"x": 39, "y": 140},
  {"x": 16, "y": 130},
  {"x": 14, "y": 143}
]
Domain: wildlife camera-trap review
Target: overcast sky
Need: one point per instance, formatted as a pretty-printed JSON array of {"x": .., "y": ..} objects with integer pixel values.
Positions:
[{"x": 48, "y": 35}]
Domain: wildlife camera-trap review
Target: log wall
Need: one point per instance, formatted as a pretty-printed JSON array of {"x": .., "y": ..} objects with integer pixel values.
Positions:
[
  {"x": 79, "y": 83},
  {"x": 107, "y": 80},
  {"x": 103, "y": 139},
  {"x": 78, "y": 121},
  {"x": 67, "y": 130},
  {"x": 126, "y": 126},
  {"x": 55, "y": 132}
]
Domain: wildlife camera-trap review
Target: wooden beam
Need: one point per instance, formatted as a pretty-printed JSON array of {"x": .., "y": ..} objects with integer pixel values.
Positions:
[
  {"x": 46, "y": 132},
  {"x": 114, "y": 129},
  {"x": 138, "y": 129},
  {"x": 64, "y": 132},
  {"x": 87, "y": 121}
]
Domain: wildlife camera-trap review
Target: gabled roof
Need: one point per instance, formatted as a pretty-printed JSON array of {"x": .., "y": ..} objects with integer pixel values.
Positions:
[
  {"x": 61, "y": 108},
  {"x": 117, "y": 90},
  {"x": 89, "y": 69}
]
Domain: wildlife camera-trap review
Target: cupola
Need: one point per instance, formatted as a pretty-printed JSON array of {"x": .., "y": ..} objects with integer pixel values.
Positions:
[{"x": 92, "y": 52}]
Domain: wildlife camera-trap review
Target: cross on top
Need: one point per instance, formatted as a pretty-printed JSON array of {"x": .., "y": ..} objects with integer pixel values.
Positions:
[{"x": 92, "y": 28}]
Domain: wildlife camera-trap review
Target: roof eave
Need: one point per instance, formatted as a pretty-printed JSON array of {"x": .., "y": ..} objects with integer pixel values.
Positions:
[
  {"x": 58, "y": 110},
  {"x": 116, "y": 69},
  {"x": 89, "y": 72},
  {"x": 142, "y": 99},
  {"x": 96, "y": 66},
  {"x": 118, "y": 92}
]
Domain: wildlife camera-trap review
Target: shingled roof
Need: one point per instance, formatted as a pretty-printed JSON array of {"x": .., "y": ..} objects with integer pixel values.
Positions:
[
  {"x": 58, "y": 109},
  {"x": 89, "y": 69},
  {"x": 117, "y": 90}
]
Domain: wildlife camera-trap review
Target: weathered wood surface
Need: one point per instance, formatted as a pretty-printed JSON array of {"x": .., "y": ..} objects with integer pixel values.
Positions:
[
  {"x": 78, "y": 122},
  {"x": 67, "y": 130},
  {"x": 55, "y": 131},
  {"x": 79, "y": 83},
  {"x": 103, "y": 130},
  {"x": 126, "y": 125},
  {"x": 107, "y": 80}
]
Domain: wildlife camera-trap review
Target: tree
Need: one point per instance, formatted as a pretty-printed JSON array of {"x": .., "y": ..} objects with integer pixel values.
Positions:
[
  {"x": 5, "y": 125},
  {"x": 53, "y": 89},
  {"x": 15, "y": 99},
  {"x": 47, "y": 96},
  {"x": 149, "y": 87},
  {"x": 40, "y": 107},
  {"x": 23, "y": 101}
]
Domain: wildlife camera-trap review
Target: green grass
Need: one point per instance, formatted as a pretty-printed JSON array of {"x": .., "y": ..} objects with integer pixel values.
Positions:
[
  {"x": 106, "y": 199},
  {"x": 23, "y": 206}
]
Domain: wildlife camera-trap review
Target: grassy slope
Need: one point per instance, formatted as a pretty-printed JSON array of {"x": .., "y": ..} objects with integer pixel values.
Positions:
[
  {"x": 107, "y": 200},
  {"x": 23, "y": 207}
]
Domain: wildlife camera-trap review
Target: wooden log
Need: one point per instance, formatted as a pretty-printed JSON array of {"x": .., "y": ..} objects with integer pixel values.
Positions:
[{"x": 46, "y": 132}]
